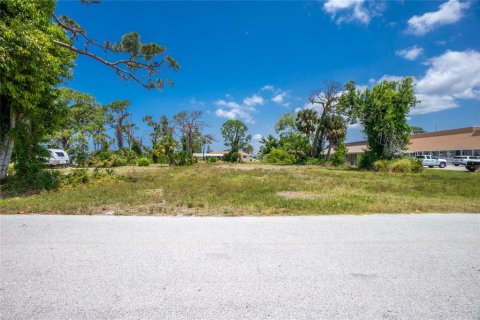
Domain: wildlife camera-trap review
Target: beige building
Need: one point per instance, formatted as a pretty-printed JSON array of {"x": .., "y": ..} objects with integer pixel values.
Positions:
[{"x": 445, "y": 144}]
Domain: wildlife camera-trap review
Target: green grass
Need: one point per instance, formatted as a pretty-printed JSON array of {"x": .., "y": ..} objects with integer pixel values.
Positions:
[{"x": 246, "y": 189}]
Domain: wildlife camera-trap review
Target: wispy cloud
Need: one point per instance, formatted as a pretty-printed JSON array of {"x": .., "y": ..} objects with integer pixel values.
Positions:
[
  {"x": 448, "y": 13},
  {"x": 411, "y": 53},
  {"x": 353, "y": 10},
  {"x": 234, "y": 110}
]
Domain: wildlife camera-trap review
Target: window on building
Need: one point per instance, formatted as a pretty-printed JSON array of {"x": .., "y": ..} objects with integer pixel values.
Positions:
[
  {"x": 476, "y": 152},
  {"x": 467, "y": 153},
  {"x": 458, "y": 152}
]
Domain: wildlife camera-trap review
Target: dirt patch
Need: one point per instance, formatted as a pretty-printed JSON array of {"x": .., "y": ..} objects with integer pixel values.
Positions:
[{"x": 302, "y": 195}]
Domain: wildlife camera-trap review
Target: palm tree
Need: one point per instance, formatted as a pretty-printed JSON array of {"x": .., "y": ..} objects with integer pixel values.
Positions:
[
  {"x": 306, "y": 123},
  {"x": 335, "y": 131}
]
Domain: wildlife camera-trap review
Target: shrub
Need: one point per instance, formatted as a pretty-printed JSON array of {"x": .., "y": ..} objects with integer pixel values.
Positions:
[
  {"x": 315, "y": 161},
  {"x": 340, "y": 155},
  {"x": 367, "y": 160},
  {"x": 232, "y": 157},
  {"x": 183, "y": 158},
  {"x": 118, "y": 162},
  {"x": 405, "y": 165},
  {"x": 212, "y": 159},
  {"x": 280, "y": 156},
  {"x": 143, "y": 162},
  {"x": 46, "y": 180},
  {"x": 381, "y": 165}
]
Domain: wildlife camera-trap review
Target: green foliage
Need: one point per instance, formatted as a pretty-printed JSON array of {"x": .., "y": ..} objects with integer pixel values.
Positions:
[
  {"x": 183, "y": 158},
  {"x": 268, "y": 143},
  {"x": 367, "y": 160},
  {"x": 235, "y": 134},
  {"x": 31, "y": 66},
  {"x": 143, "y": 162},
  {"x": 295, "y": 144},
  {"x": 416, "y": 130},
  {"x": 280, "y": 156},
  {"x": 340, "y": 155},
  {"x": 382, "y": 111},
  {"x": 232, "y": 157},
  {"x": 315, "y": 161},
  {"x": 405, "y": 165},
  {"x": 212, "y": 159}
]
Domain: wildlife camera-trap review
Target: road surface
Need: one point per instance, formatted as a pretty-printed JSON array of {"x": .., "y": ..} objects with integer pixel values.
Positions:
[{"x": 327, "y": 267}]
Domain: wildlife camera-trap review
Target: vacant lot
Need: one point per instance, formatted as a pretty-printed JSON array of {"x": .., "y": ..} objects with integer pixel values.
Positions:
[{"x": 254, "y": 189}]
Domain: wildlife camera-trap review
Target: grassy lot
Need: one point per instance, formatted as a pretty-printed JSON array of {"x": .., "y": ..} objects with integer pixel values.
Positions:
[{"x": 254, "y": 189}]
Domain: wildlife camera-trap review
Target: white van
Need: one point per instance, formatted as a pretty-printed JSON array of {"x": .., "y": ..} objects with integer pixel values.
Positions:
[{"x": 58, "y": 157}]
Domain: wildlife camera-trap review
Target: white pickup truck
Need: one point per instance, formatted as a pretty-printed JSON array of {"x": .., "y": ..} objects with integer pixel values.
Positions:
[{"x": 432, "y": 161}]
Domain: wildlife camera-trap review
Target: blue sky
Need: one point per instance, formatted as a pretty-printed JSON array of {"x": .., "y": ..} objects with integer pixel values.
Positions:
[{"x": 254, "y": 61}]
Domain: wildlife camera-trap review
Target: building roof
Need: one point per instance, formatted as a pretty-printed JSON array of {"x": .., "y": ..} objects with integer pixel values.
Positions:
[{"x": 456, "y": 139}]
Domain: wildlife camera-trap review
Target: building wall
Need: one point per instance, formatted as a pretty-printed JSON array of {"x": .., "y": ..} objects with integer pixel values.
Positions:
[{"x": 445, "y": 144}]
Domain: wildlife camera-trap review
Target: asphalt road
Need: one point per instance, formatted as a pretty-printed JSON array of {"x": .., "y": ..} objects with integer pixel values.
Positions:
[{"x": 328, "y": 267}]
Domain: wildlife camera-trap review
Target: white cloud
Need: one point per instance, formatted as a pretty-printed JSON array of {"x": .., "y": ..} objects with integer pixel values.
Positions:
[
  {"x": 456, "y": 73},
  {"x": 233, "y": 110},
  {"x": 257, "y": 137},
  {"x": 317, "y": 107},
  {"x": 389, "y": 77},
  {"x": 411, "y": 53},
  {"x": 452, "y": 76},
  {"x": 448, "y": 13},
  {"x": 280, "y": 97},
  {"x": 253, "y": 101},
  {"x": 352, "y": 10},
  {"x": 268, "y": 87}
]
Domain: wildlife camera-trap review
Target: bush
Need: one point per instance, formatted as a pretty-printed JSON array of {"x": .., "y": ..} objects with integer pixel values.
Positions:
[
  {"x": 118, "y": 162},
  {"x": 183, "y": 158},
  {"x": 211, "y": 159},
  {"x": 381, "y": 165},
  {"x": 46, "y": 180},
  {"x": 143, "y": 162},
  {"x": 367, "y": 160},
  {"x": 280, "y": 156},
  {"x": 405, "y": 165},
  {"x": 340, "y": 155},
  {"x": 232, "y": 157},
  {"x": 315, "y": 161}
]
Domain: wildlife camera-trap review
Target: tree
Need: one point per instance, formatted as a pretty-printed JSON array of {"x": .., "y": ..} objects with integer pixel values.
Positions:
[
  {"x": 335, "y": 131},
  {"x": 31, "y": 65},
  {"x": 117, "y": 116},
  {"x": 306, "y": 122},
  {"x": 205, "y": 140},
  {"x": 416, "y": 130},
  {"x": 162, "y": 138},
  {"x": 234, "y": 133},
  {"x": 41, "y": 47},
  {"x": 382, "y": 111},
  {"x": 286, "y": 124},
  {"x": 332, "y": 100},
  {"x": 268, "y": 144},
  {"x": 189, "y": 124}
]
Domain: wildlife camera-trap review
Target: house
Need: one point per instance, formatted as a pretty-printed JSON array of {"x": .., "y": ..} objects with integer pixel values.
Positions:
[{"x": 445, "y": 144}]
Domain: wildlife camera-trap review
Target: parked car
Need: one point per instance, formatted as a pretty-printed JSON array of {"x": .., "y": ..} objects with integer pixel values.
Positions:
[
  {"x": 473, "y": 164},
  {"x": 58, "y": 157},
  {"x": 462, "y": 160},
  {"x": 432, "y": 161}
]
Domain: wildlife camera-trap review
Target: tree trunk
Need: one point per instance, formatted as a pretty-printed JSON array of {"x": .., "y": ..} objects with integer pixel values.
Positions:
[
  {"x": 118, "y": 134},
  {"x": 6, "y": 146},
  {"x": 329, "y": 151}
]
